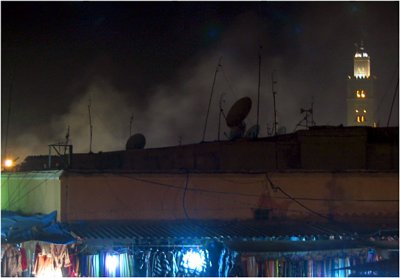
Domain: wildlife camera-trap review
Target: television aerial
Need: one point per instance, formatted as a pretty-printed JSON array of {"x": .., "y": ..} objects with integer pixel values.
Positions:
[{"x": 136, "y": 141}]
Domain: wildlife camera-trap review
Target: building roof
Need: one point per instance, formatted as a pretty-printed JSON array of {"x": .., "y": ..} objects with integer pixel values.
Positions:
[{"x": 318, "y": 148}]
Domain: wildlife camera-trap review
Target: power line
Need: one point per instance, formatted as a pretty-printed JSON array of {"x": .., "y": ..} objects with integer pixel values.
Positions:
[
  {"x": 27, "y": 193},
  {"x": 274, "y": 187},
  {"x": 9, "y": 111},
  {"x": 184, "y": 196},
  {"x": 15, "y": 192},
  {"x": 250, "y": 194},
  {"x": 228, "y": 81}
]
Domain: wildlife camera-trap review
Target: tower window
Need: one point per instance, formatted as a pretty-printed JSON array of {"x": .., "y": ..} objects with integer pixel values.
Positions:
[
  {"x": 360, "y": 94},
  {"x": 360, "y": 119}
]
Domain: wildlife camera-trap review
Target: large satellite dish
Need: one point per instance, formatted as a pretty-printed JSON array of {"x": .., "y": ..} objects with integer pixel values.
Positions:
[
  {"x": 136, "y": 141},
  {"x": 238, "y": 112}
]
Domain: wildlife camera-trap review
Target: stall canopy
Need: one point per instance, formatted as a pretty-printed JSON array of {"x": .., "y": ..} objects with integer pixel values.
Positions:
[
  {"x": 16, "y": 228},
  {"x": 252, "y": 235}
]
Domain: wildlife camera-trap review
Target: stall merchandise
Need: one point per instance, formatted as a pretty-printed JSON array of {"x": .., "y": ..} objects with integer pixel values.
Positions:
[
  {"x": 309, "y": 264},
  {"x": 148, "y": 262},
  {"x": 13, "y": 261}
]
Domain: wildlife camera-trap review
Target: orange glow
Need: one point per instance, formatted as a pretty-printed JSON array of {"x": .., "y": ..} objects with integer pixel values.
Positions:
[
  {"x": 360, "y": 94},
  {"x": 360, "y": 119},
  {"x": 8, "y": 163}
]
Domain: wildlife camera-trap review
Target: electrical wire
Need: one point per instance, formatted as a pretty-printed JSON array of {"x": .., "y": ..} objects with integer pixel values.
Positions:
[
  {"x": 17, "y": 186},
  {"x": 27, "y": 193},
  {"x": 184, "y": 196},
  {"x": 247, "y": 194},
  {"x": 274, "y": 187},
  {"x": 228, "y": 82},
  {"x": 9, "y": 112}
]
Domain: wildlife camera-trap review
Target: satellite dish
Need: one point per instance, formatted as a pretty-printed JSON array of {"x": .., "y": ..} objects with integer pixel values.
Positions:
[
  {"x": 238, "y": 112},
  {"x": 136, "y": 141},
  {"x": 252, "y": 132}
]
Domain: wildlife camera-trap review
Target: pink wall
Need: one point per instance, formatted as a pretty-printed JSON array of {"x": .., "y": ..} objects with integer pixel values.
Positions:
[{"x": 228, "y": 196}]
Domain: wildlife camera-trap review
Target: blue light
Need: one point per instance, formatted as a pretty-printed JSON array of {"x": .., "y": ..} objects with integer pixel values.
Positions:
[{"x": 194, "y": 260}]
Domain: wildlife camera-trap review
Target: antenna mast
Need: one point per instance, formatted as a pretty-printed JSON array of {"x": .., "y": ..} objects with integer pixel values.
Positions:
[
  {"x": 90, "y": 125},
  {"x": 221, "y": 112},
  {"x": 274, "y": 97},
  {"x": 209, "y": 102},
  {"x": 130, "y": 125},
  {"x": 66, "y": 140},
  {"x": 394, "y": 98},
  {"x": 259, "y": 85}
]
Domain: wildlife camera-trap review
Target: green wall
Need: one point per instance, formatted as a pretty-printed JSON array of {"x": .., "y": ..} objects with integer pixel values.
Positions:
[{"x": 31, "y": 192}]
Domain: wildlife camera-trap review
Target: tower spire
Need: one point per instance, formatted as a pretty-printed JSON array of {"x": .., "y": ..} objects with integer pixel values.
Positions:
[{"x": 360, "y": 90}]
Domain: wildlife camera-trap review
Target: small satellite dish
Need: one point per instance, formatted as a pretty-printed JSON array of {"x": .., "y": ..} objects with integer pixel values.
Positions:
[
  {"x": 238, "y": 112},
  {"x": 136, "y": 141},
  {"x": 237, "y": 131},
  {"x": 252, "y": 132}
]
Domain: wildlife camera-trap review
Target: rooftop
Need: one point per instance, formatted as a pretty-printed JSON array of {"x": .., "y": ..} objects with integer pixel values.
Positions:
[{"x": 318, "y": 148}]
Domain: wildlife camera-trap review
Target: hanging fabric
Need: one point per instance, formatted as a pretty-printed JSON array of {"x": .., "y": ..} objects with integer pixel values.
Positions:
[{"x": 11, "y": 265}]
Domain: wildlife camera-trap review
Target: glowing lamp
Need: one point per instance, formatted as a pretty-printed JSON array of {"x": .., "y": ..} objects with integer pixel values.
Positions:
[
  {"x": 111, "y": 263},
  {"x": 193, "y": 260},
  {"x": 8, "y": 163}
]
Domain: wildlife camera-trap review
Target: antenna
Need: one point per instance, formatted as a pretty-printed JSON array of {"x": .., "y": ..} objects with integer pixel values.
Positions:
[
  {"x": 259, "y": 85},
  {"x": 306, "y": 122},
  {"x": 312, "y": 111},
  {"x": 130, "y": 125},
  {"x": 90, "y": 125},
  {"x": 9, "y": 109},
  {"x": 394, "y": 98},
  {"x": 209, "y": 102},
  {"x": 66, "y": 140},
  {"x": 221, "y": 112},
  {"x": 274, "y": 97}
]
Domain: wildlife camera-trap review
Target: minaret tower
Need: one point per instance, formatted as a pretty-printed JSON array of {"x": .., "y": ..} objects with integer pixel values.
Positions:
[{"x": 360, "y": 91}]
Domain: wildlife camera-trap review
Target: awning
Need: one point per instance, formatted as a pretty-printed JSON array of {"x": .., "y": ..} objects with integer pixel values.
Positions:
[
  {"x": 238, "y": 234},
  {"x": 16, "y": 228}
]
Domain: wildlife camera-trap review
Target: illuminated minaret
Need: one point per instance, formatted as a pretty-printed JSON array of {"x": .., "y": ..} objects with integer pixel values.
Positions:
[{"x": 360, "y": 91}]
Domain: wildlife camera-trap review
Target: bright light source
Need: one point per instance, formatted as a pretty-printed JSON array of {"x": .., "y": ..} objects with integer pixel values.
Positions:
[
  {"x": 8, "y": 163},
  {"x": 194, "y": 260},
  {"x": 111, "y": 262}
]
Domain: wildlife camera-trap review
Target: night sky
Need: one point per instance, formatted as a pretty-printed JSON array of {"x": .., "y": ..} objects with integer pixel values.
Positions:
[{"x": 156, "y": 60}]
